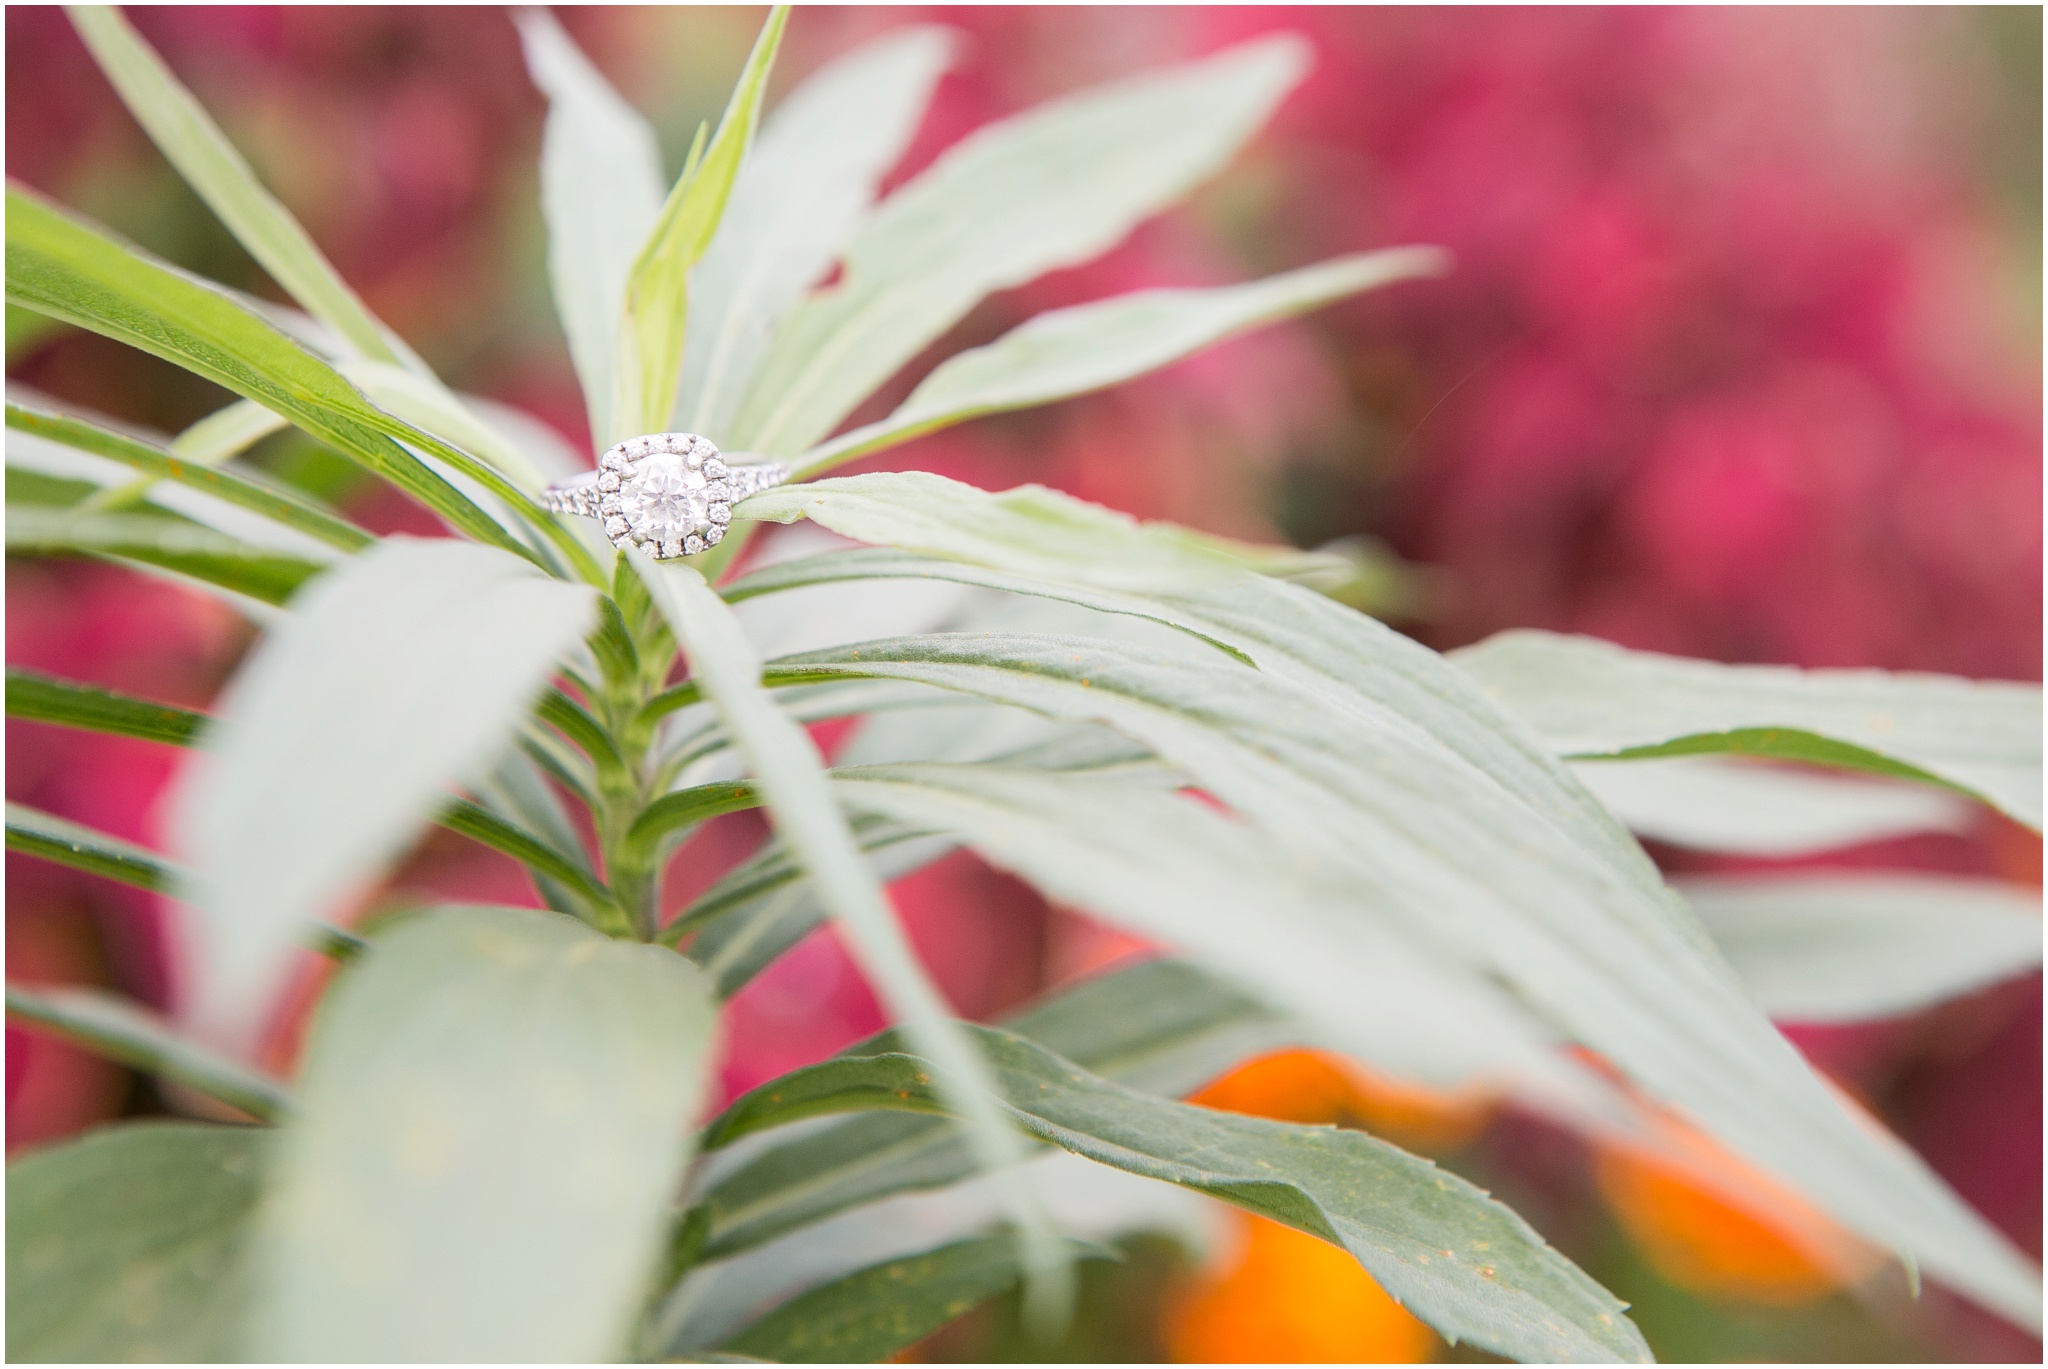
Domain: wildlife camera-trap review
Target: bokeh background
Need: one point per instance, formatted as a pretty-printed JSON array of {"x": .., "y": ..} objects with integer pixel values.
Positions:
[{"x": 1741, "y": 359}]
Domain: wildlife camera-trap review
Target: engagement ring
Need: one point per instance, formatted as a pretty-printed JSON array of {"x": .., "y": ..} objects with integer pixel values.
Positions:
[{"x": 668, "y": 494}]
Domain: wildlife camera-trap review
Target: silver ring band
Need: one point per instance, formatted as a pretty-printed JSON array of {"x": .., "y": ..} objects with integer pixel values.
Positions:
[{"x": 667, "y": 494}]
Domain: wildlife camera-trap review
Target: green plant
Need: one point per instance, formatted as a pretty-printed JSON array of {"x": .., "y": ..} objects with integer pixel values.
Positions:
[{"x": 491, "y": 1150}]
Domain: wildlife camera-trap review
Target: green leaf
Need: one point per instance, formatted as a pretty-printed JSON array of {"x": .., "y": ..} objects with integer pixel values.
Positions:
[
  {"x": 516, "y": 791},
  {"x": 433, "y": 408},
  {"x": 600, "y": 187},
  {"x": 49, "y": 837},
  {"x": 275, "y": 504},
  {"x": 1053, "y": 187},
  {"x": 809, "y": 179},
  {"x": 1071, "y": 552},
  {"x": 559, "y": 858},
  {"x": 542, "y": 448},
  {"x": 60, "y": 265},
  {"x": 869, "y": 1315},
  {"x": 120, "y": 1030},
  {"x": 662, "y": 819},
  {"x": 1831, "y": 947},
  {"x": 1088, "y": 1201},
  {"x": 1722, "y": 803},
  {"x": 1590, "y": 698},
  {"x": 47, "y": 699},
  {"x": 36, "y": 833},
  {"x": 760, "y": 909},
  {"x": 220, "y": 436},
  {"x": 25, "y": 486},
  {"x": 1093, "y": 346},
  {"x": 835, "y": 1164},
  {"x": 129, "y": 1243},
  {"x": 592, "y": 901},
  {"x": 493, "y": 1116},
  {"x": 743, "y": 923},
  {"x": 764, "y": 906},
  {"x": 1164, "y": 1027},
  {"x": 789, "y": 776},
  {"x": 226, "y": 433},
  {"x": 1168, "y": 574},
  {"x": 407, "y": 669},
  {"x": 1175, "y": 871},
  {"x": 1027, "y": 531},
  {"x": 27, "y": 331},
  {"x": 876, "y": 563},
  {"x": 1160, "y": 1026},
  {"x": 656, "y": 320},
  {"x": 1460, "y": 1261},
  {"x": 1453, "y": 835},
  {"x": 194, "y": 144},
  {"x": 171, "y": 543},
  {"x": 1319, "y": 786}
]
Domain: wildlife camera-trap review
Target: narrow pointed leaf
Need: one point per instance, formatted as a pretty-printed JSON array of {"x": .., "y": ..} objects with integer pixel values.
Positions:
[
  {"x": 44, "y": 698},
  {"x": 36, "y": 833},
  {"x": 194, "y": 144},
  {"x": 494, "y": 474},
  {"x": 650, "y": 354},
  {"x": 219, "y": 437},
  {"x": 49, "y": 837},
  {"x": 493, "y": 1114},
  {"x": 1591, "y": 698},
  {"x": 1363, "y": 705},
  {"x": 810, "y": 177},
  {"x": 1578, "y": 950},
  {"x": 1090, "y": 1202},
  {"x": 1171, "y": 870},
  {"x": 600, "y": 187},
  {"x": 1163, "y": 1027},
  {"x": 869, "y": 1315},
  {"x": 1728, "y": 803},
  {"x": 402, "y": 672},
  {"x": 1052, "y": 187},
  {"x": 61, "y": 266},
  {"x": 1843, "y": 947},
  {"x": 1091, "y": 347},
  {"x": 789, "y": 775},
  {"x": 170, "y": 543},
  {"x": 1027, "y": 531},
  {"x": 743, "y": 923},
  {"x": 1463, "y": 1263},
  {"x": 1035, "y": 541},
  {"x": 516, "y": 792},
  {"x": 278, "y": 505},
  {"x": 431, "y": 407},
  {"x": 47, "y": 699},
  {"x": 539, "y": 857},
  {"x": 117, "y": 1028},
  {"x": 226, "y": 433},
  {"x": 130, "y": 1243}
]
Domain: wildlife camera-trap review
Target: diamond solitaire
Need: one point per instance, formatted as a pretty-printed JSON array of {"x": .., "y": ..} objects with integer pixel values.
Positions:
[
  {"x": 664, "y": 500},
  {"x": 667, "y": 495}
]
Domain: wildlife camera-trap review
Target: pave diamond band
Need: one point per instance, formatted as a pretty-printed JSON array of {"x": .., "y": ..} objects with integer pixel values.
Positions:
[{"x": 667, "y": 494}]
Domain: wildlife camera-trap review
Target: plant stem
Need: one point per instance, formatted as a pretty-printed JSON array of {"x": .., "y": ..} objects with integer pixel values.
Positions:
[{"x": 637, "y": 654}]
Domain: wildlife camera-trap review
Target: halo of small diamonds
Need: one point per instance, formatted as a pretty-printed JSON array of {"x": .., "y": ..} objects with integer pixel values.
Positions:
[{"x": 665, "y": 494}]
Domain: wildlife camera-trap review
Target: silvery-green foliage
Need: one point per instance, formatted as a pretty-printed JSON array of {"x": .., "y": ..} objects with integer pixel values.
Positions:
[{"x": 1427, "y": 861}]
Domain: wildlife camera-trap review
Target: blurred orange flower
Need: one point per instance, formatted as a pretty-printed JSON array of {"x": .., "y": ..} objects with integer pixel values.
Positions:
[
  {"x": 1289, "y": 1297},
  {"x": 1316, "y": 1087},
  {"x": 1693, "y": 1211}
]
